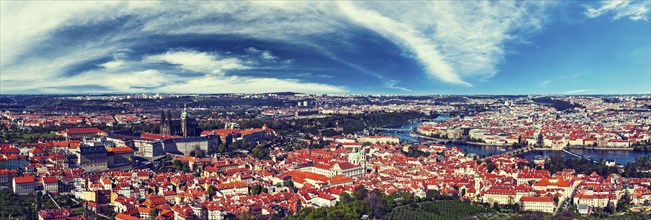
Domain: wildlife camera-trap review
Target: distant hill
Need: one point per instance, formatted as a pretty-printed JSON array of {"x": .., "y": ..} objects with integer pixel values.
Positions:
[{"x": 283, "y": 93}]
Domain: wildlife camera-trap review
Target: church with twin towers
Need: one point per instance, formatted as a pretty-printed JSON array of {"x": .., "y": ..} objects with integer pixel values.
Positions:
[{"x": 184, "y": 126}]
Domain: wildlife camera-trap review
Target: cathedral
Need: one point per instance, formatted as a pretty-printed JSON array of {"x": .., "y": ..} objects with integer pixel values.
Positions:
[{"x": 185, "y": 126}]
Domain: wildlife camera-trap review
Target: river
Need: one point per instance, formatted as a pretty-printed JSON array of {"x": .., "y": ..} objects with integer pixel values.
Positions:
[{"x": 619, "y": 156}]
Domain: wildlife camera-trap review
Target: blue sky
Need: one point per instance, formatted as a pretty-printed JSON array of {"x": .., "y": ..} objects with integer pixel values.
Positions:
[{"x": 434, "y": 47}]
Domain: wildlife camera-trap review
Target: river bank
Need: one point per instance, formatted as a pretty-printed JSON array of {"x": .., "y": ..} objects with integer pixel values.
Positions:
[
  {"x": 454, "y": 141},
  {"x": 618, "y": 155},
  {"x": 601, "y": 148},
  {"x": 459, "y": 141}
]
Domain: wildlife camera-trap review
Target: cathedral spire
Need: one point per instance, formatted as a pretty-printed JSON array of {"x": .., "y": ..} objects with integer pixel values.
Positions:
[
  {"x": 184, "y": 114},
  {"x": 162, "y": 116}
]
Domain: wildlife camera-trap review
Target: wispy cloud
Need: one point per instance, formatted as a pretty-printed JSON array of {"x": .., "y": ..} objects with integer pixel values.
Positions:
[
  {"x": 406, "y": 35},
  {"x": 576, "y": 91},
  {"x": 456, "y": 41},
  {"x": 544, "y": 83},
  {"x": 633, "y": 10},
  {"x": 393, "y": 84}
]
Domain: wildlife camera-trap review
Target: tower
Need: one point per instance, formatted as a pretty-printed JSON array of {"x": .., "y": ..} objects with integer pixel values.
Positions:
[
  {"x": 164, "y": 129},
  {"x": 184, "y": 121},
  {"x": 357, "y": 157}
]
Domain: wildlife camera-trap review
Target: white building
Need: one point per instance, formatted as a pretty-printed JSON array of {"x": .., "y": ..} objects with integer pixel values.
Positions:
[
  {"x": 537, "y": 204},
  {"x": 23, "y": 185}
]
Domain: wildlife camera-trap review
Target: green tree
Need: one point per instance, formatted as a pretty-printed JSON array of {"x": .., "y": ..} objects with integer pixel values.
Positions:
[
  {"x": 377, "y": 204},
  {"x": 221, "y": 148},
  {"x": 211, "y": 190},
  {"x": 345, "y": 198},
  {"x": 256, "y": 190},
  {"x": 177, "y": 164},
  {"x": 360, "y": 192}
]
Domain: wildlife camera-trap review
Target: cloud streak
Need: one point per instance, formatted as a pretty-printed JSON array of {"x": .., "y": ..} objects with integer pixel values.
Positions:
[
  {"x": 633, "y": 10},
  {"x": 576, "y": 91},
  {"x": 544, "y": 83},
  {"x": 404, "y": 34}
]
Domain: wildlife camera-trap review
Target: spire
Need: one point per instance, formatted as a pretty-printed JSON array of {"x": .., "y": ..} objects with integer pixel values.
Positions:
[
  {"x": 184, "y": 114},
  {"x": 162, "y": 116}
]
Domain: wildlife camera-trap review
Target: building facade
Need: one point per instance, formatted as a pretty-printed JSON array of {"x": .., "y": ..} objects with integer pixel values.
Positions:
[
  {"x": 23, "y": 185},
  {"x": 92, "y": 157}
]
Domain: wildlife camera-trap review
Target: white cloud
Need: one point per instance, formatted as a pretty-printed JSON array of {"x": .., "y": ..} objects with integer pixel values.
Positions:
[
  {"x": 199, "y": 61},
  {"x": 406, "y": 35},
  {"x": 25, "y": 22},
  {"x": 634, "y": 10},
  {"x": 393, "y": 84},
  {"x": 263, "y": 54},
  {"x": 115, "y": 80},
  {"x": 456, "y": 42},
  {"x": 235, "y": 84},
  {"x": 266, "y": 55},
  {"x": 126, "y": 76},
  {"x": 113, "y": 64}
]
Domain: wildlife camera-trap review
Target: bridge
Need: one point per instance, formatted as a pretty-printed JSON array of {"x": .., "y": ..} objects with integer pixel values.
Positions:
[
  {"x": 576, "y": 155},
  {"x": 518, "y": 151},
  {"x": 392, "y": 129}
]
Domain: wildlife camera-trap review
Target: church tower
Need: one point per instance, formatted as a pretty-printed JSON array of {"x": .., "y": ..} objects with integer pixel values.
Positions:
[
  {"x": 357, "y": 157},
  {"x": 184, "y": 121},
  {"x": 164, "y": 129}
]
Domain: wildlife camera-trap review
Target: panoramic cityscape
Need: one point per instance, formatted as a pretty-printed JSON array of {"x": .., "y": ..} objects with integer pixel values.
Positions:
[{"x": 166, "y": 110}]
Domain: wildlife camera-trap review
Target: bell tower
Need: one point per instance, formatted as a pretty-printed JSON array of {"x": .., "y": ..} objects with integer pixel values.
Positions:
[{"x": 184, "y": 121}]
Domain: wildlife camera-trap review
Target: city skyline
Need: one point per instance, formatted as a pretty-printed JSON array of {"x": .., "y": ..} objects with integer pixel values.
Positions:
[{"x": 417, "y": 48}]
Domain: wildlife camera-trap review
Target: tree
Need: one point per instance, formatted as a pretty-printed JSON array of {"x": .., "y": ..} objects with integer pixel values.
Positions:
[
  {"x": 38, "y": 200},
  {"x": 317, "y": 214},
  {"x": 288, "y": 183},
  {"x": 256, "y": 190},
  {"x": 376, "y": 203},
  {"x": 221, "y": 148},
  {"x": 211, "y": 190},
  {"x": 490, "y": 166},
  {"x": 177, "y": 164},
  {"x": 624, "y": 202},
  {"x": 345, "y": 198},
  {"x": 360, "y": 192}
]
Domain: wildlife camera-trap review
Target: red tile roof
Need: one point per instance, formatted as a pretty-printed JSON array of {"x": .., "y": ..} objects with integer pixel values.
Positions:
[
  {"x": 121, "y": 150},
  {"x": 73, "y": 131},
  {"x": 123, "y": 216},
  {"x": 24, "y": 179},
  {"x": 49, "y": 179},
  {"x": 536, "y": 199}
]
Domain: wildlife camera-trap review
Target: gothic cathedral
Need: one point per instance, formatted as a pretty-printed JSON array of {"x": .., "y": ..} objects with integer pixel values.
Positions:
[{"x": 185, "y": 126}]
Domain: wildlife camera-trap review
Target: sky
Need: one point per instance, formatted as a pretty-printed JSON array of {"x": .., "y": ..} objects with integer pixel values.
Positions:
[{"x": 388, "y": 47}]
